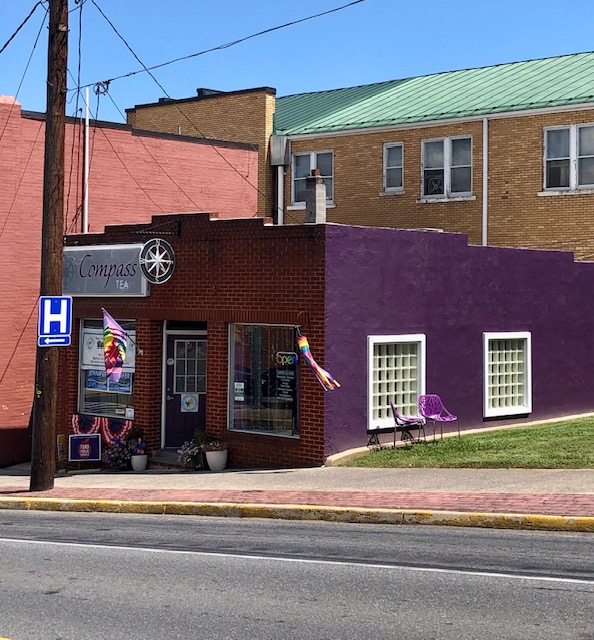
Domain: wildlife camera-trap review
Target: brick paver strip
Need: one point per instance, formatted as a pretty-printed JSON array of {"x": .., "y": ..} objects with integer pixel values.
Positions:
[{"x": 575, "y": 504}]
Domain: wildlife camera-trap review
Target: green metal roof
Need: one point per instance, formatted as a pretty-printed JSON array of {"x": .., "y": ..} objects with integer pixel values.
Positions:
[{"x": 532, "y": 84}]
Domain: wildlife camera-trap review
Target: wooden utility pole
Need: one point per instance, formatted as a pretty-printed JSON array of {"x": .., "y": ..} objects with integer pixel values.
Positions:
[{"x": 43, "y": 454}]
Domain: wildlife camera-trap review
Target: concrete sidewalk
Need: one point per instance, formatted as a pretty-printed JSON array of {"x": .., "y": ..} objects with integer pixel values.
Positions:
[{"x": 504, "y": 498}]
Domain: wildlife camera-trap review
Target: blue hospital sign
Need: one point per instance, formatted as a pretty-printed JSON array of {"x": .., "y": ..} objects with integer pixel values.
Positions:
[{"x": 55, "y": 321}]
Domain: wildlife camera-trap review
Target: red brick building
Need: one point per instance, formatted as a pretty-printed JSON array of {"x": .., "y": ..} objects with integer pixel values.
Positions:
[
  {"x": 241, "y": 282},
  {"x": 133, "y": 175}
]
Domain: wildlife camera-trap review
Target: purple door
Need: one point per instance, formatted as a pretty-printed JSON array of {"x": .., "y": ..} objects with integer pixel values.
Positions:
[{"x": 185, "y": 387}]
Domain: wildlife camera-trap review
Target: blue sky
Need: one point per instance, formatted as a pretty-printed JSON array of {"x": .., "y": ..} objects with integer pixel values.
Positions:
[{"x": 372, "y": 41}]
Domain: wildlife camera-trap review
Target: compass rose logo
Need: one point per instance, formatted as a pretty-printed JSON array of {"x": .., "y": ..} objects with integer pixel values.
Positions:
[{"x": 157, "y": 261}]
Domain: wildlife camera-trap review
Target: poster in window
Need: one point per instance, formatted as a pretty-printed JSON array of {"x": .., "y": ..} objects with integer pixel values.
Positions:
[
  {"x": 93, "y": 355},
  {"x": 123, "y": 385},
  {"x": 96, "y": 380}
]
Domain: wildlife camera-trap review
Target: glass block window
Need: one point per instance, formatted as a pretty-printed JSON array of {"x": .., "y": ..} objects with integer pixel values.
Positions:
[
  {"x": 507, "y": 374},
  {"x": 396, "y": 373}
]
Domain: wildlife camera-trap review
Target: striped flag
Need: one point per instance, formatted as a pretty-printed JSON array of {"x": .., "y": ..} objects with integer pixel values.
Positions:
[
  {"x": 115, "y": 345},
  {"x": 324, "y": 378}
]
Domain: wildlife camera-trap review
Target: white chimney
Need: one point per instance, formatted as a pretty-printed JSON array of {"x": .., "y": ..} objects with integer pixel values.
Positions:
[{"x": 315, "y": 198}]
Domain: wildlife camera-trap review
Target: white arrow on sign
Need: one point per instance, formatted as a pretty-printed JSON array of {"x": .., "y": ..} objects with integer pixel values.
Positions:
[{"x": 54, "y": 340}]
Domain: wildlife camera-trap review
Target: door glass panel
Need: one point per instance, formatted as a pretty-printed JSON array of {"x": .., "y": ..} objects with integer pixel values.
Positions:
[{"x": 190, "y": 359}]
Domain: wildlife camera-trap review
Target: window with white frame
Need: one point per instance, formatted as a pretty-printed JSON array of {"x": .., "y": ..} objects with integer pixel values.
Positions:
[
  {"x": 569, "y": 157},
  {"x": 396, "y": 373},
  {"x": 303, "y": 164},
  {"x": 507, "y": 374},
  {"x": 393, "y": 165},
  {"x": 98, "y": 395},
  {"x": 447, "y": 167}
]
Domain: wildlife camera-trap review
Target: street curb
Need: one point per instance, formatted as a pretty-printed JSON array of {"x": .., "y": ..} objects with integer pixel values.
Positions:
[{"x": 311, "y": 512}]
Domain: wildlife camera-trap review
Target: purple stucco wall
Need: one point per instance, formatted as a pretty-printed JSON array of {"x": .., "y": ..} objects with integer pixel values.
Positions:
[{"x": 388, "y": 281}]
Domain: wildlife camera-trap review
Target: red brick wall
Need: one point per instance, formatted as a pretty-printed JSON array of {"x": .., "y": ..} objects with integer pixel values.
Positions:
[
  {"x": 226, "y": 272},
  {"x": 131, "y": 178},
  {"x": 244, "y": 116}
]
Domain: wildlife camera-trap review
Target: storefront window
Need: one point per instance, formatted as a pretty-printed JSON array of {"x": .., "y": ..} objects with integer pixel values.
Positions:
[
  {"x": 263, "y": 387},
  {"x": 98, "y": 395}
]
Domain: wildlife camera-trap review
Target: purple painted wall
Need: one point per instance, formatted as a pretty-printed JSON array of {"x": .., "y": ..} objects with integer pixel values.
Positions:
[{"x": 389, "y": 281}]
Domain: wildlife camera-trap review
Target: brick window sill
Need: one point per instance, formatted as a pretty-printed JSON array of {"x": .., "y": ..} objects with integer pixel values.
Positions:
[
  {"x": 569, "y": 192},
  {"x": 300, "y": 206},
  {"x": 396, "y": 192},
  {"x": 452, "y": 199}
]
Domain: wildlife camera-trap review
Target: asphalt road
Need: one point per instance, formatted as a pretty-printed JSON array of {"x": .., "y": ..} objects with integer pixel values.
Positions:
[{"x": 78, "y": 576}]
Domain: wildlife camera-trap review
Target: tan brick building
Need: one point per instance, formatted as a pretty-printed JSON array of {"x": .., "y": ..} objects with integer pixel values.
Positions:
[{"x": 504, "y": 154}]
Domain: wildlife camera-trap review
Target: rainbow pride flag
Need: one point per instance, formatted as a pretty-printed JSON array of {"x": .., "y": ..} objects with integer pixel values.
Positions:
[
  {"x": 115, "y": 345},
  {"x": 324, "y": 378}
]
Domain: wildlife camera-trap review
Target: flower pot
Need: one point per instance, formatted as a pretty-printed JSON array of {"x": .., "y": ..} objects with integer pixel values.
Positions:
[
  {"x": 217, "y": 460},
  {"x": 139, "y": 462}
]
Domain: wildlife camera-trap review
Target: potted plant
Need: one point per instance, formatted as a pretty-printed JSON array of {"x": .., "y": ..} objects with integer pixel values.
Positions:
[
  {"x": 137, "y": 448},
  {"x": 116, "y": 455},
  {"x": 215, "y": 450},
  {"x": 191, "y": 454}
]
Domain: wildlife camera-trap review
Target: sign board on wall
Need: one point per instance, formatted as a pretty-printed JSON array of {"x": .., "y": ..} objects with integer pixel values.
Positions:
[
  {"x": 93, "y": 355},
  {"x": 103, "y": 270}
]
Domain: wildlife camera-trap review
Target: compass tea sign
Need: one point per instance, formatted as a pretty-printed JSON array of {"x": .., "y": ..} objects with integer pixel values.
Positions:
[{"x": 101, "y": 270}]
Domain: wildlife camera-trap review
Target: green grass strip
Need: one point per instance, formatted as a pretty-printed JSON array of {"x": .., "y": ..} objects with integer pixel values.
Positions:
[{"x": 557, "y": 445}]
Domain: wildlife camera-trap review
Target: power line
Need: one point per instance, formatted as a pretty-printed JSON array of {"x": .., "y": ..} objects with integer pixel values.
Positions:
[
  {"x": 106, "y": 83},
  {"x": 129, "y": 172},
  {"x": 16, "y": 192},
  {"x": 21, "y": 26},
  {"x": 18, "y": 341},
  {"x": 222, "y": 46},
  {"x": 24, "y": 74},
  {"x": 156, "y": 161}
]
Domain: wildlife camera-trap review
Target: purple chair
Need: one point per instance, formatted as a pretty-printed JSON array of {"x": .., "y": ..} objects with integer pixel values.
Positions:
[
  {"x": 432, "y": 408},
  {"x": 404, "y": 424}
]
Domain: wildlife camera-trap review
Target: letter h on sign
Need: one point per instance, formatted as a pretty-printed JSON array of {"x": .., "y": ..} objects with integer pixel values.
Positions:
[{"x": 55, "y": 321}]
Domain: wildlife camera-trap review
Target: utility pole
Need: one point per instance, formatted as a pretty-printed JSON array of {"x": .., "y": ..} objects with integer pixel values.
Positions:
[{"x": 43, "y": 453}]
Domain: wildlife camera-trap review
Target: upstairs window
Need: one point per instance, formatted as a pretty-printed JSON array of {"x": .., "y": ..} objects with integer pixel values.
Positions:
[
  {"x": 569, "y": 157},
  {"x": 303, "y": 164},
  {"x": 447, "y": 167},
  {"x": 393, "y": 166}
]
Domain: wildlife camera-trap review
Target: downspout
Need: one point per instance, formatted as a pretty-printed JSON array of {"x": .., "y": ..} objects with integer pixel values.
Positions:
[
  {"x": 485, "y": 180},
  {"x": 85, "y": 217},
  {"x": 280, "y": 195}
]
